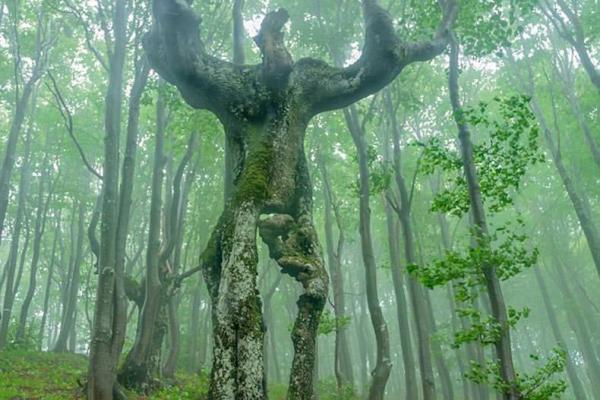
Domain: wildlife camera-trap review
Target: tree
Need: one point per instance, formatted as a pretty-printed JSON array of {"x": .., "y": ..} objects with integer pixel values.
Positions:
[{"x": 265, "y": 110}]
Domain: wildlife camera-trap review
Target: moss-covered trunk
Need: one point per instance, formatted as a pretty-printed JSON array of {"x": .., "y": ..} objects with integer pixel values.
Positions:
[{"x": 271, "y": 191}]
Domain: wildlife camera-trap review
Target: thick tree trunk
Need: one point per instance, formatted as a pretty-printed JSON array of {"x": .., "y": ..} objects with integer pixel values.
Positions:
[
  {"x": 110, "y": 311},
  {"x": 576, "y": 384},
  {"x": 140, "y": 363},
  {"x": 265, "y": 111},
  {"x": 494, "y": 290}
]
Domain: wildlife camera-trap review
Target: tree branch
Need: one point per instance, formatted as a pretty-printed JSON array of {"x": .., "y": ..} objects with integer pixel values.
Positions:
[
  {"x": 68, "y": 120},
  {"x": 277, "y": 61},
  {"x": 384, "y": 56},
  {"x": 176, "y": 52}
]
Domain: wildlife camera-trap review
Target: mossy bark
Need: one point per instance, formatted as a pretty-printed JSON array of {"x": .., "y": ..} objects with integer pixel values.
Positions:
[{"x": 271, "y": 191}]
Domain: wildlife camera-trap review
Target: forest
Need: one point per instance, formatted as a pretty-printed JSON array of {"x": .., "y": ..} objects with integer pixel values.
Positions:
[{"x": 300, "y": 199}]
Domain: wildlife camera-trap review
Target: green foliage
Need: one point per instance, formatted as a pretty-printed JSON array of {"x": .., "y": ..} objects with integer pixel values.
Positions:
[
  {"x": 542, "y": 384},
  {"x": 51, "y": 376},
  {"x": 186, "y": 387},
  {"x": 329, "y": 323},
  {"x": 29, "y": 342},
  {"x": 326, "y": 389},
  {"x": 380, "y": 173},
  {"x": 501, "y": 159},
  {"x": 483, "y": 26}
]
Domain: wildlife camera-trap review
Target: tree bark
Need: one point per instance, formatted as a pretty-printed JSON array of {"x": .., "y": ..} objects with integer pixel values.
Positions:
[{"x": 111, "y": 305}]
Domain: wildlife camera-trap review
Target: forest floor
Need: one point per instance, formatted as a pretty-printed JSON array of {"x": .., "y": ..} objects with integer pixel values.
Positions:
[
  {"x": 51, "y": 376},
  {"x": 26, "y": 375}
]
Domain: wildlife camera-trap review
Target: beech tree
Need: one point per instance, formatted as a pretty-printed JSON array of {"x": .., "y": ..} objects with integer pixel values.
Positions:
[{"x": 265, "y": 110}]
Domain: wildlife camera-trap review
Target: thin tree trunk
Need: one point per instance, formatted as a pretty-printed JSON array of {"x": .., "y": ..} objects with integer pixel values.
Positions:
[
  {"x": 414, "y": 287},
  {"x": 72, "y": 286},
  {"x": 576, "y": 384},
  {"x": 22, "y": 104},
  {"x": 342, "y": 361},
  {"x": 383, "y": 364},
  {"x": 51, "y": 266},
  {"x": 40, "y": 225},
  {"x": 494, "y": 290},
  {"x": 9, "y": 294},
  {"x": 194, "y": 328},
  {"x": 578, "y": 198},
  {"x": 575, "y": 318},
  {"x": 271, "y": 345}
]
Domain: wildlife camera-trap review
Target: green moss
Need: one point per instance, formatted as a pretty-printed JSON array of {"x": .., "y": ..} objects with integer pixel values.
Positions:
[{"x": 254, "y": 182}]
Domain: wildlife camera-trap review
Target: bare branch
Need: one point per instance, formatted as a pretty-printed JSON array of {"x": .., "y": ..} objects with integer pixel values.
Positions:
[{"x": 68, "y": 120}]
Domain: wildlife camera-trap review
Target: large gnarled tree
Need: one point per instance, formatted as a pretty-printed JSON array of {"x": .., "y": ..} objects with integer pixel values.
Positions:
[{"x": 265, "y": 110}]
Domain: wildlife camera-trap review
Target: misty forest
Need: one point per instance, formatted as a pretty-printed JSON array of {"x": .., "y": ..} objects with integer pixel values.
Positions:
[{"x": 300, "y": 199}]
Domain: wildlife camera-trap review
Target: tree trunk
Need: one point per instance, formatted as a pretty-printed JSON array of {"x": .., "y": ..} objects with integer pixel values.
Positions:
[
  {"x": 40, "y": 224},
  {"x": 139, "y": 365},
  {"x": 271, "y": 345},
  {"x": 73, "y": 283},
  {"x": 342, "y": 361},
  {"x": 51, "y": 266},
  {"x": 415, "y": 289},
  {"x": 110, "y": 311},
  {"x": 410, "y": 376},
  {"x": 578, "y": 198},
  {"x": 494, "y": 290},
  {"x": 9, "y": 294},
  {"x": 383, "y": 364},
  {"x": 194, "y": 328},
  {"x": 265, "y": 111},
  {"x": 576, "y": 384},
  {"x": 21, "y": 107},
  {"x": 575, "y": 318}
]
